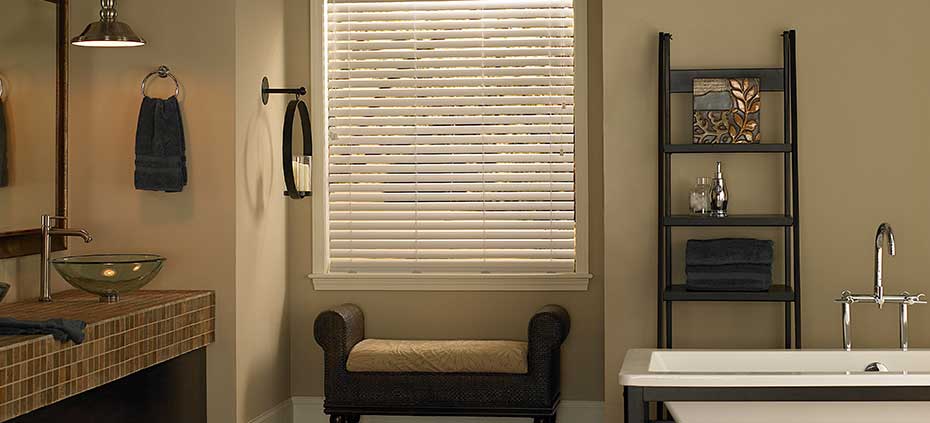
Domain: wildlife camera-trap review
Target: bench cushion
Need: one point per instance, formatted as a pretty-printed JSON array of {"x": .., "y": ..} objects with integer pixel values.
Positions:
[{"x": 384, "y": 355}]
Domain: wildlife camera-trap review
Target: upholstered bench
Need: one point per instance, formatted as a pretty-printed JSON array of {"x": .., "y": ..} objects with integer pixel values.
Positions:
[{"x": 440, "y": 378}]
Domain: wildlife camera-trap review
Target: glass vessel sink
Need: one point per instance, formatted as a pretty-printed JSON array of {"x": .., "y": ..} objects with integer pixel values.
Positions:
[{"x": 109, "y": 275}]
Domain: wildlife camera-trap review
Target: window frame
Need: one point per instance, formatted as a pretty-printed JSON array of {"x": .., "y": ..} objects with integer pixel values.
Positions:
[{"x": 323, "y": 280}]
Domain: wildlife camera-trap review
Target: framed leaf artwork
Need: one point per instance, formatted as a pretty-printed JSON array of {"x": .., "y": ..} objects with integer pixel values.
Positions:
[{"x": 726, "y": 111}]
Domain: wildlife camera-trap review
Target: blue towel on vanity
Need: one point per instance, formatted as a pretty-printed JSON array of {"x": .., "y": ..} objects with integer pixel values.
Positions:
[
  {"x": 161, "y": 159},
  {"x": 60, "y": 329},
  {"x": 4, "y": 173}
]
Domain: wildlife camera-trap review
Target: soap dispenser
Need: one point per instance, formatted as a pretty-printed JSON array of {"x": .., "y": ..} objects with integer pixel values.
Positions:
[{"x": 718, "y": 195}]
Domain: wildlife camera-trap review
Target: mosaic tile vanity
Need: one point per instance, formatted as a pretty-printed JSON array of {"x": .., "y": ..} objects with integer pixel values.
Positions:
[{"x": 150, "y": 341}]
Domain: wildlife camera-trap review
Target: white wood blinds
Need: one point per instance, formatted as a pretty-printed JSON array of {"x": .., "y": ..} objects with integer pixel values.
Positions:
[{"x": 451, "y": 135}]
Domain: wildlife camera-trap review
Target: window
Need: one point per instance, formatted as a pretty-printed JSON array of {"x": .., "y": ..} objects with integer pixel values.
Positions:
[{"x": 451, "y": 137}]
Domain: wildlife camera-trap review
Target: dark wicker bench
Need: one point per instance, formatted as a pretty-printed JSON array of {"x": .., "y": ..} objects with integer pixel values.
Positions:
[{"x": 350, "y": 395}]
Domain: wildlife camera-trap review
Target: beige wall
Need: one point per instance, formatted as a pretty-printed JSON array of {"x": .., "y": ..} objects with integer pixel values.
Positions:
[
  {"x": 864, "y": 101},
  {"x": 196, "y": 228},
  {"x": 262, "y": 338},
  {"x": 225, "y": 231},
  {"x": 443, "y": 315}
]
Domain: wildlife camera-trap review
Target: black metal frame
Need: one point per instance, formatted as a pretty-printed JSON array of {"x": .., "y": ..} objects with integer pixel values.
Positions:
[
  {"x": 352, "y": 414},
  {"x": 293, "y": 107},
  {"x": 674, "y": 81},
  {"x": 637, "y": 399}
]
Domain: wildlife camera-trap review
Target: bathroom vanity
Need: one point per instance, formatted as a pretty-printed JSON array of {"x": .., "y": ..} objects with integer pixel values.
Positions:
[
  {"x": 143, "y": 360},
  {"x": 823, "y": 386}
]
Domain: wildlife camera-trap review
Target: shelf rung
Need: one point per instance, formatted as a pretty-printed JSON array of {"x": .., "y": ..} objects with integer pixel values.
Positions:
[
  {"x": 746, "y": 220},
  {"x": 727, "y": 148},
  {"x": 778, "y": 293},
  {"x": 770, "y": 79}
]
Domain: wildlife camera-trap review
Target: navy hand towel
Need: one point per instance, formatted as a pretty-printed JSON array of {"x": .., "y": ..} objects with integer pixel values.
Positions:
[
  {"x": 711, "y": 252},
  {"x": 161, "y": 160},
  {"x": 60, "y": 329},
  {"x": 4, "y": 177}
]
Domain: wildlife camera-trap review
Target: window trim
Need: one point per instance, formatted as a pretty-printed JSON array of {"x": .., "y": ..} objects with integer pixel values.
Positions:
[{"x": 327, "y": 281}]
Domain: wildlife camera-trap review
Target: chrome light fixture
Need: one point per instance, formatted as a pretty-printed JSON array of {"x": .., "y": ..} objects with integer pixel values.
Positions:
[{"x": 108, "y": 32}]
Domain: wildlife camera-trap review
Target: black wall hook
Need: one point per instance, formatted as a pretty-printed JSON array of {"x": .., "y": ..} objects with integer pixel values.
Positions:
[{"x": 266, "y": 91}]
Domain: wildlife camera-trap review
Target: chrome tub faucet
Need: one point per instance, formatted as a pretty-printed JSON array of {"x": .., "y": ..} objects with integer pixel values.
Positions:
[
  {"x": 878, "y": 294},
  {"x": 883, "y": 230},
  {"x": 48, "y": 231}
]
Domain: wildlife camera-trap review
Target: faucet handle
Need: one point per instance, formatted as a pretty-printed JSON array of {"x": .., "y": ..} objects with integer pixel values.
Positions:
[
  {"x": 845, "y": 297},
  {"x": 914, "y": 299}
]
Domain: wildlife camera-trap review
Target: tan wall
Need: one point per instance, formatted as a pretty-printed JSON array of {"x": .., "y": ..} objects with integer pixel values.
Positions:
[
  {"x": 196, "y": 228},
  {"x": 443, "y": 315},
  {"x": 864, "y": 101},
  {"x": 263, "y": 342}
]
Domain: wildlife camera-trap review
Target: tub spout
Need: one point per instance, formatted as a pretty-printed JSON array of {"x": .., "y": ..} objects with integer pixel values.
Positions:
[{"x": 883, "y": 230}]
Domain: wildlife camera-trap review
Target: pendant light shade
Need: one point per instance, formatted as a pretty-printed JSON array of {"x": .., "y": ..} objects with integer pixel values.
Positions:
[{"x": 108, "y": 32}]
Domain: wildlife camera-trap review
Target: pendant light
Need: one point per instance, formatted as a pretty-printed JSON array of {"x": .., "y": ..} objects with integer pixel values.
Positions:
[{"x": 108, "y": 32}]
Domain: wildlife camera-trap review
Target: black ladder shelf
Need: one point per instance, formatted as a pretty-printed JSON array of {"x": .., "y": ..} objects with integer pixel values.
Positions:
[{"x": 679, "y": 81}]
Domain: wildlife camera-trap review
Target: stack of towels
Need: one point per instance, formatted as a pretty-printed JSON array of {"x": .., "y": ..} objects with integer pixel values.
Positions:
[{"x": 729, "y": 264}]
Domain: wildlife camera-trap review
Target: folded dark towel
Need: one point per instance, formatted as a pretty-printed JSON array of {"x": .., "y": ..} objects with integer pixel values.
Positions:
[
  {"x": 732, "y": 277},
  {"x": 60, "y": 329},
  {"x": 4, "y": 171},
  {"x": 161, "y": 160},
  {"x": 710, "y": 252}
]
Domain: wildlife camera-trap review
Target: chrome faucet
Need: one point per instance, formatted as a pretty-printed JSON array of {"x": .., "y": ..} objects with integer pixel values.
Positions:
[
  {"x": 878, "y": 295},
  {"x": 883, "y": 229},
  {"x": 48, "y": 231}
]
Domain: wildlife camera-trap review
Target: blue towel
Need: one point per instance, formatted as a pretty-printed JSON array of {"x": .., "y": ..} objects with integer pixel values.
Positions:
[
  {"x": 161, "y": 160},
  {"x": 730, "y": 277},
  {"x": 724, "y": 251},
  {"x": 60, "y": 329}
]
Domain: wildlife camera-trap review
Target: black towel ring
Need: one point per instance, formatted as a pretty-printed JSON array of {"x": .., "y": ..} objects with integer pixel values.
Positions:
[
  {"x": 162, "y": 72},
  {"x": 286, "y": 141}
]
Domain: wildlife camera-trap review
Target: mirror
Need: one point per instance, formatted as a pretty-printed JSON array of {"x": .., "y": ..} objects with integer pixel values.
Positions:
[{"x": 33, "y": 69}]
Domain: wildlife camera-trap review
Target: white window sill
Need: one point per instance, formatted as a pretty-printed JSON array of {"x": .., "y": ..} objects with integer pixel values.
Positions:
[{"x": 450, "y": 282}]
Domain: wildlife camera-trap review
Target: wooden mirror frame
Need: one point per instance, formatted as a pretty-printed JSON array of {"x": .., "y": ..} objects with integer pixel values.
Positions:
[{"x": 29, "y": 241}]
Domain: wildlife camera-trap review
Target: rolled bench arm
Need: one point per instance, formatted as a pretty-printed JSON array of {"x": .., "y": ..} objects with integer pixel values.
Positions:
[
  {"x": 549, "y": 327},
  {"x": 338, "y": 329}
]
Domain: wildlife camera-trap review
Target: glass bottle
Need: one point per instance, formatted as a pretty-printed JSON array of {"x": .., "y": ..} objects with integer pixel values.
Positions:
[
  {"x": 700, "y": 197},
  {"x": 719, "y": 198}
]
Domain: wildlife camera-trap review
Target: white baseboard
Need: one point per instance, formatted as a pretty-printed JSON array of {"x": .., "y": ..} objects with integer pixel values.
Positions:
[
  {"x": 281, "y": 413},
  {"x": 310, "y": 410}
]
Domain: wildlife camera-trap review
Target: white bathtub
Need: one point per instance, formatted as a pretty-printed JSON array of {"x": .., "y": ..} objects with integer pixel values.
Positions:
[{"x": 781, "y": 368}]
